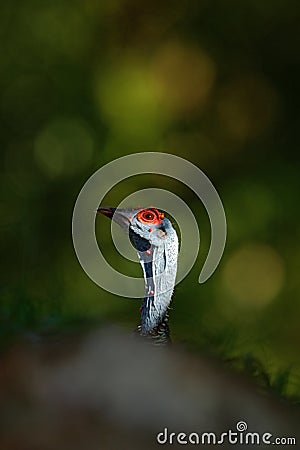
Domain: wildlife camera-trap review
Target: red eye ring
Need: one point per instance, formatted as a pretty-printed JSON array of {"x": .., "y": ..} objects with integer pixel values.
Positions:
[{"x": 150, "y": 216}]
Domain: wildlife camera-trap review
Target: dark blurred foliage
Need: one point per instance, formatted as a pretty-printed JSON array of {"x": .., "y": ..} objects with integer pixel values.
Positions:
[{"x": 216, "y": 82}]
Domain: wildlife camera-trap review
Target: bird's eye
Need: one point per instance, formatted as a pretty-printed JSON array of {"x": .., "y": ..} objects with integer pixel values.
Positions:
[
  {"x": 148, "y": 216},
  {"x": 152, "y": 216}
]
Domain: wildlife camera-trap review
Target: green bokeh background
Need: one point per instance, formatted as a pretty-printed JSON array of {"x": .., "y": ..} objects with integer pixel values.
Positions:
[{"x": 85, "y": 82}]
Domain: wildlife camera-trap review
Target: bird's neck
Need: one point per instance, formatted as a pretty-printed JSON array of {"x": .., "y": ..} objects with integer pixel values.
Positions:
[
  {"x": 159, "y": 335},
  {"x": 160, "y": 268}
]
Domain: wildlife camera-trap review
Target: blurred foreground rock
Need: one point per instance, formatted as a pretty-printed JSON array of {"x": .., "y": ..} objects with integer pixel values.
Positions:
[{"x": 108, "y": 390}]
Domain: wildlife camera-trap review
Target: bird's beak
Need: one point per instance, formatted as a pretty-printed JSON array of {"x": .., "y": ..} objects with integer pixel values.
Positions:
[{"x": 121, "y": 216}]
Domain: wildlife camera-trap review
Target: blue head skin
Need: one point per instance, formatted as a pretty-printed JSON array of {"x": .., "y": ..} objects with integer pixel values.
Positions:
[{"x": 156, "y": 242}]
